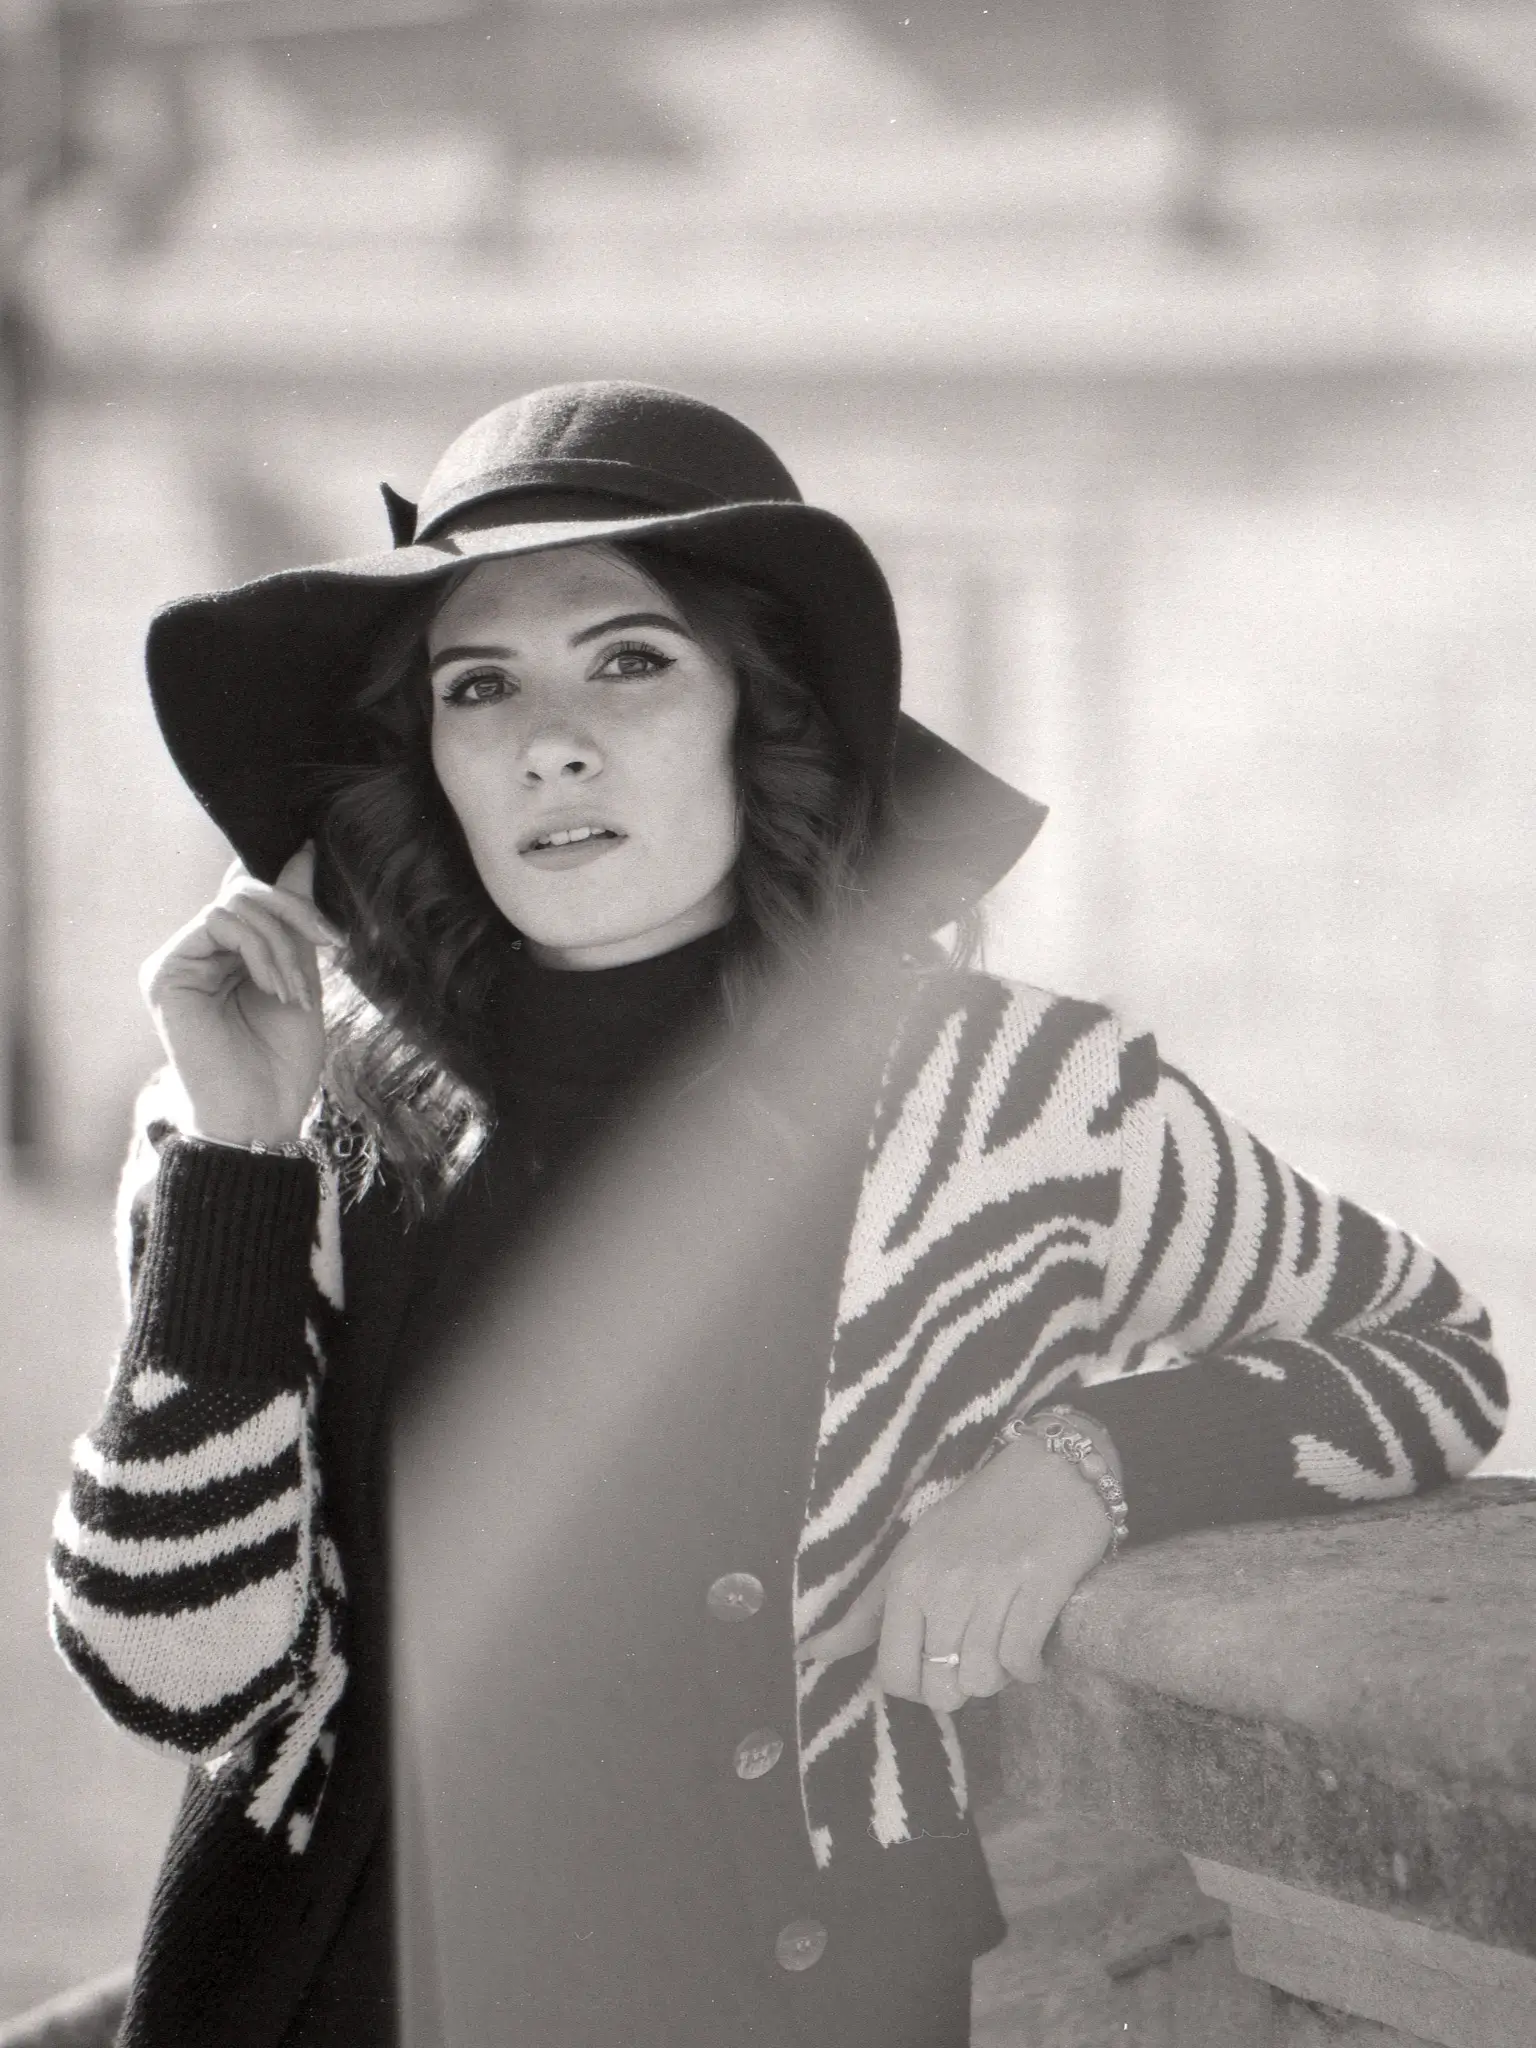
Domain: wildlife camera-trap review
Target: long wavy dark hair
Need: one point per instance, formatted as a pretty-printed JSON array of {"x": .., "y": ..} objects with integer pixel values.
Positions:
[{"x": 407, "y": 1003}]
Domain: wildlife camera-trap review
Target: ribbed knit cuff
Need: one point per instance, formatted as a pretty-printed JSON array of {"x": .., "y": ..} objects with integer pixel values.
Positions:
[
  {"x": 224, "y": 1285},
  {"x": 1197, "y": 1448}
]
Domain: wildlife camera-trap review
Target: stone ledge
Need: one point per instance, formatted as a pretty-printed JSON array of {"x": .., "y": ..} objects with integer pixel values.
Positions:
[
  {"x": 1344, "y": 1704},
  {"x": 1424, "y": 1984},
  {"x": 1110, "y": 1939}
]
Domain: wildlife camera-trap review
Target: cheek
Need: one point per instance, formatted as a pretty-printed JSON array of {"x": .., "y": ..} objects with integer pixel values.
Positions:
[
  {"x": 701, "y": 773},
  {"x": 444, "y": 764},
  {"x": 461, "y": 776}
]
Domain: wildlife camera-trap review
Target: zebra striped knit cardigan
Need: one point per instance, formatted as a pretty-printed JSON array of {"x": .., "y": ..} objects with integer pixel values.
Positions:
[{"x": 1047, "y": 1210}]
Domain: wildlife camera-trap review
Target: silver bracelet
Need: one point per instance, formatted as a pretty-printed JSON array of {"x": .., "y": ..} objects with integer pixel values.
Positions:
[
  {"x": 1060, "y": 1430},
  {"x": 282, "y": 1148}
]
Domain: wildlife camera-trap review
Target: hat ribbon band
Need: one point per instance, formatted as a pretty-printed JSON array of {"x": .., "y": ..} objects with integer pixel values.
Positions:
[{"x": 652, "y": 489}]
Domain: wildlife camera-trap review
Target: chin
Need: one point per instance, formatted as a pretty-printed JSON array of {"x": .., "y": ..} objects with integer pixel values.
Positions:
[
  {"x": 656, "y": 930},
  {"x": 544, "y": 930},
  {"x": 610, "y": 923}
]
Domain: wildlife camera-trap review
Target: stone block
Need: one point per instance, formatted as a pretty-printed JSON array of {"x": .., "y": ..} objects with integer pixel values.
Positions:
[
  {"x": 1415, "y": 1981},
  {"x": 1110, "y": 1941},
  {"x": 1296, "y": 2023},
  {"x": 1347, "y": 1704}
]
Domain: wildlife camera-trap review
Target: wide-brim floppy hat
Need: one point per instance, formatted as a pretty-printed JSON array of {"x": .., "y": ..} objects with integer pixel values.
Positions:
[{"x": 255, "y": 687}]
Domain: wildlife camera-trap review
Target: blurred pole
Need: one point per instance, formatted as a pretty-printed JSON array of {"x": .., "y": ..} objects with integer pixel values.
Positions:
[
  {"x": 1197, "y": 82},
  {"x": 20, "y": 1075},
  {"x": 515, "y": 57},
  {"x": 30, "y": 131}
]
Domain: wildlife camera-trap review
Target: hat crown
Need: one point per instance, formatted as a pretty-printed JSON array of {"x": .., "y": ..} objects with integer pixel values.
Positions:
[{"x": 655, "y": 448}]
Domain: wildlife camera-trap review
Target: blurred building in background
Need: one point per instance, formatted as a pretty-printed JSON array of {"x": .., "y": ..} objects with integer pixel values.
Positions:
[{"x": 1178, "y": 359}]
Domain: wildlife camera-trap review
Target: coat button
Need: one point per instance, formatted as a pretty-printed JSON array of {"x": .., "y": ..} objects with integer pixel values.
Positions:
[
  {"x": 735, "y": 1596},
  {"x": 800, "y": 1944},
  {"x": 757, "y": 1753}
]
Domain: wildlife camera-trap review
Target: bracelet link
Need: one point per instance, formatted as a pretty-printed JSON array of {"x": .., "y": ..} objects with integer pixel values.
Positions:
[
  {"x": 1058, "y": 1429},
  {"x": 263, "y": 1148}
]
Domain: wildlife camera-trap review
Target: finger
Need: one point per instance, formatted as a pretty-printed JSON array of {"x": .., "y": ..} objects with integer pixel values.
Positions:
[
  {"x": 296, "y": 880},
  {"x": 1030, "y": 1620},
  {"x": 298, "y": 872},
  {"x": 301, "y": 913},
  {"x": 943, "y": 1688},
  {"x": 982, "y": 1672},
  {"x": 946, "y": 1617},
  {"x": 291, "y": 953},
  {"x": 297, "y": 912},
  {"x": 293, "y": 928},
  {"x": 234, "y": 935},
  {"x": 901, "y": 1645},
  {"x": 180, "y": 960},
  {"x": 295, "y": 906},
  {"x": 214, "y": 971},
  {"x": 858, "y": 1629}
]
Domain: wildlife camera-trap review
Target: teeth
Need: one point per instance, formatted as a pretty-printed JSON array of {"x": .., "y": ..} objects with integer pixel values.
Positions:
[{"x": 574, "y": 837}]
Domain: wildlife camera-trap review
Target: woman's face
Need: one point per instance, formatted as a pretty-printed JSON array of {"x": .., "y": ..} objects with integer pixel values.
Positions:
[{"x": 582, "y": 735}]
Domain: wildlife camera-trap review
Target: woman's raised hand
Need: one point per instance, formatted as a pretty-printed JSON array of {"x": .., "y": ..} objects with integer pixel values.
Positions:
[
  {"x": 235, "y": 996},
  {"x": 981, "y": 1577}
]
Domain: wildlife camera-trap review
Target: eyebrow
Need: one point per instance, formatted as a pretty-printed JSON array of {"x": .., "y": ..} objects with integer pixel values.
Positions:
[
  {"x": 447, "y": 654},
  {"x": 629, "y": 619},
  {"x": 472, "y": 653}
]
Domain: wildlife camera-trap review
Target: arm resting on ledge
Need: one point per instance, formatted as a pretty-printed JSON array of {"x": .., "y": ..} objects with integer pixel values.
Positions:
[
  {"x": 1340, "y": 1705},
  {"x": 1276, "y": 1350}
]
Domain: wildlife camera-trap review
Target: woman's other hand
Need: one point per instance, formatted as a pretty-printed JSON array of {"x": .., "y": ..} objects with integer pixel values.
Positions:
[
  {"x": 235, "y": 996},
  {"x": 982, "y": 1574}
]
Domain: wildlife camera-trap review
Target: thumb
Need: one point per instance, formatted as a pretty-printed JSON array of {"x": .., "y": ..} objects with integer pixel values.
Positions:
[{"x": 858, "y": 1629}]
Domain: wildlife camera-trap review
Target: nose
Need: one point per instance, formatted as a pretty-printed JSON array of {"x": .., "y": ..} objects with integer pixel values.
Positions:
[{"x": 557, "y": 755}]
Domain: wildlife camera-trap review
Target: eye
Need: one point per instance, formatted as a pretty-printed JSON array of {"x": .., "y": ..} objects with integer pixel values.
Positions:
[
  {"x": 633, "y": 660},
  {"x": 478, "y": 686}
]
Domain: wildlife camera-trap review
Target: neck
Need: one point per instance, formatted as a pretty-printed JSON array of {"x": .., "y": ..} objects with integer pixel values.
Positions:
[
  {"x": 552, "y": 1026},
  {"x": 700, "y": 918}
]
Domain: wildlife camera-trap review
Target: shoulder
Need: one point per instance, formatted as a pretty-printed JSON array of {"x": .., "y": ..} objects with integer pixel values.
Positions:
[
  {"x": 996, "y": 1018},
  {"x": 1018, "y": 1051}
]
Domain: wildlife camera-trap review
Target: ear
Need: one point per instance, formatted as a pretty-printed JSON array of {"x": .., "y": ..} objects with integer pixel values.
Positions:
[{"x": 402, "y": 516}]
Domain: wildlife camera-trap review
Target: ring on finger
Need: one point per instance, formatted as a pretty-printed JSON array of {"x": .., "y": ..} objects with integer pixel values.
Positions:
[{"x": 951, "y": 1661}]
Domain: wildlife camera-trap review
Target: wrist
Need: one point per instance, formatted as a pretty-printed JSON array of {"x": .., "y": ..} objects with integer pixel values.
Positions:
[
  {"x": 223, "y": 1287},
  {"x": 223, "y": 1121},
  {"x": 1082, "y": 1443},
  {"x": 1087, "y": 1425},
  {"x": 288, "y": 1145}
]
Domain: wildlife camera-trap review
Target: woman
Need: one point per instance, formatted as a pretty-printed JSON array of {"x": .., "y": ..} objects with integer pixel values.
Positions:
[{"x": 598, "y": 789}]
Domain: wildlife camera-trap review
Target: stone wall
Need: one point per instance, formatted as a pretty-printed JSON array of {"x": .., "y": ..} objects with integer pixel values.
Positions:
[{"x": 1301, "y": 1760}]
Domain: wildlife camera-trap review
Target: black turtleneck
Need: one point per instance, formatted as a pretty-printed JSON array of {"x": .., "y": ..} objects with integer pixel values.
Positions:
[
  {"x": 571, "y": 1045},
  {"x": 572, "y": 1052}
]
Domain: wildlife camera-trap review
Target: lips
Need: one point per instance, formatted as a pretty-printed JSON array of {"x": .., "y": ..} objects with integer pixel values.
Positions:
[
  {"x": 574, "y": 835},
  {"x": 569, "y": 842}
]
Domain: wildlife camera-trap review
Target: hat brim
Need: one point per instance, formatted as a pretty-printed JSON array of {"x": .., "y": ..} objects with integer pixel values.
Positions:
[{"x": 253, "y": 686}]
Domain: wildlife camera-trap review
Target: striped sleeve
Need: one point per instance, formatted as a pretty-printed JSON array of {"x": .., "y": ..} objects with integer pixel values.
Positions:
[
  {"x": 1271, "y": 1349},
  {"x": 191, "y": 1586}
]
